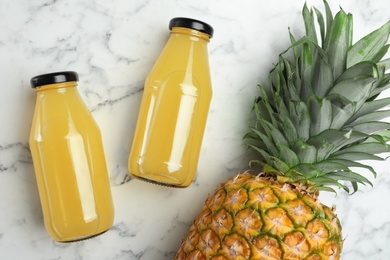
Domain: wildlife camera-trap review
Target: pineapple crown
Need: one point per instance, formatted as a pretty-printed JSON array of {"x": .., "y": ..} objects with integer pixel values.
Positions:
[{"x": 321, "y": 111}]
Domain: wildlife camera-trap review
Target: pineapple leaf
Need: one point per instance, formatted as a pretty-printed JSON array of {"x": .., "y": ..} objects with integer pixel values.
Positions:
[
  {"x": 283, "y": 117},
  {"x": 369, "y": 46},
  {"x": 287, "y": 155},
  {"x": 380, "y": 138},
  {"x": 306, "y": 171},
  {"x": 348, "y": 176},
  {"x": 341, "y": 110},
  {"x": 324, "y": 188},
  {"x": 369, "y": 107},
  {"x": 294, "y": 48},
  {"x": 269, "y": 168},
  {"x": 249, "y": 135},
  {"x": 362, "y": 68},
  {"x": 272, "y": 131},
  {"x": 306, "y": 72},
  {"x": 300, "y": 117},
  {"x": 371, "y": 148},
  {"x": 355, "y": 156},
  {"x": 288, "y": 129},
  {"x": 384, "y": 83},
  {"x": 323, "y": 183},
  {"x": 327, "y": 167},
  {"x": 280, "y": 105},
  {"x": 310, "y": 42},
  {"x": 308, "y": 19},
  {"x": 385, "y": 63},
  {"x": 329, "y": 171},
  {"x": 322, "y": 80},
  {"x": 320, "y": 114},
  {"x": 279, "y": 164},
  {"x": 371, "y": 117},
  {"x": 262, "y": 152},
  {"x": 321, "y": 23},
  {"x": 357, "y": 90},
  {"x": 291, "y": 88},
  {"x": 274, "y": 162},
  {"x": 337, "y": 43},
  {"x": 259, "y": 162},
  {"x": 349, "y": 163},
  {"x": 261, "y": 110},
  {"x": 354, "y": 89},
  {"x": 306, "y": 153},
  {"x": 369, "y": 127},
  {"x": 355, "y": 187},
  {"x": 278, "y": 79},
  {"x": 381, "y": 53},
  {"x": 319, "y": 169},
  {"x": 329, "y": 20},
  {"x": 270, "y": 110},
  {"x": 267, "y": 142},
  {"x": 332, "y": 140}
]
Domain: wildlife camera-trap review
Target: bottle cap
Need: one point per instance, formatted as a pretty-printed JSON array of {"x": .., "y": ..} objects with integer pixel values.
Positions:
[
  {"x": 192, "y": 24},
  {"x": 52, "y": 78}
]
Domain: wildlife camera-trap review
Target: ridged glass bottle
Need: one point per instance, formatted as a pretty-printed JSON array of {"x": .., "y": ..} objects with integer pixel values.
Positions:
[
  {"x": 69, "y": 161},
  {"x": 174, "y": 108}
]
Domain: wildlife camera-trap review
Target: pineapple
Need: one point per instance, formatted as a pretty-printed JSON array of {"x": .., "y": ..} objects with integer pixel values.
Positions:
[{"x": 319, "y": 115}]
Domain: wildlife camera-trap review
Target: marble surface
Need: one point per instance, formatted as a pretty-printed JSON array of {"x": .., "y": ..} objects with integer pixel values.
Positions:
[{"x": 112, "y": 45}]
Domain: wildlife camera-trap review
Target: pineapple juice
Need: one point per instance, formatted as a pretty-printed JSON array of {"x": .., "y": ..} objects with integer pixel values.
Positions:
[
  {"x": 70, "y": 166},
  {"x": 173, "y": 111}
]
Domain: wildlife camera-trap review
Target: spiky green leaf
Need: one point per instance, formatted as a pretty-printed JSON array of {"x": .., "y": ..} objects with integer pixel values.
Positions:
[
  {"x": 341, "y": 111},
  {"x": 320, "y": 114},
  {"x": 371, "y": 148},
  {"x": 354, "y": 89},
  {"x": 362, "y": 68},
  {"x": 287, "y": 128},
  {"x": 331, "y": 140},
  {"x": 269, "y": 145},
  {"x": 369, "y": 46},
  {"x": 287, "y": 155},
  {"x": 369, "y": 127},
  {"x": 356, "y": 156},
  {"x": 348, "y": 176},
  {"x": 350, "y": 163},
  {"x": 337, "y": 43},
  {"x": 371, "y": 117},
  {"x": 308, "y": 18},
  {"x": 370, "y": 107},
  {"x": 306, "y": 153},
  {"x": 321, "y": 24},
  {"x": 300, "y": 117}
]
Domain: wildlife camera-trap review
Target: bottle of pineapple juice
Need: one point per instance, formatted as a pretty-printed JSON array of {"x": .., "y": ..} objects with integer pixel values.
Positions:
[
  {"x": 69, "y": 161},
  {"x": 174, "y": 108}
]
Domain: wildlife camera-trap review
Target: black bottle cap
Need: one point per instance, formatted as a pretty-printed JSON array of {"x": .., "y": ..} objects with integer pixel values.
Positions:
[
  {"x": 192, "y": 24},
  {"x": 52, "y": 78}
]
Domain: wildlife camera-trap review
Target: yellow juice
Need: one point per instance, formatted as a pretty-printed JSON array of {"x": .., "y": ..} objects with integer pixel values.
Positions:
[
  {"x": 173, "y": 111},
  {"x": 70, "y": 166}
]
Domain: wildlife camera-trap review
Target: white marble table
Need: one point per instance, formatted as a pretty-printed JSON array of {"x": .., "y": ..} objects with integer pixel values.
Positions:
[{"x": 112, "y": 45}]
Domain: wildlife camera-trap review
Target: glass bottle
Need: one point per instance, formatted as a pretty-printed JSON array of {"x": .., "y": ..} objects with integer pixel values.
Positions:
[
  {"x": 174, "y": 108},
  {"x": 69, "y": 161}
]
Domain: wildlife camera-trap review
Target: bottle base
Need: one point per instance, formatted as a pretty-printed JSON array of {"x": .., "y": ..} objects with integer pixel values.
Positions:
[
  {"x": 160, "y": 183},
  {"x": 81, "y": 238}
]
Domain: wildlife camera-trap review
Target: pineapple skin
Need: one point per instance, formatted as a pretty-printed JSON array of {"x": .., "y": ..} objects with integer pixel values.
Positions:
[{"x": 255, "y": 217}]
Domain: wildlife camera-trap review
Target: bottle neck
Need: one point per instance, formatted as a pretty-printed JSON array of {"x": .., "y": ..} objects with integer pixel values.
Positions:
[
  {"x": 62, "y": 85},
  {"x": 190, "y": 32}
]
